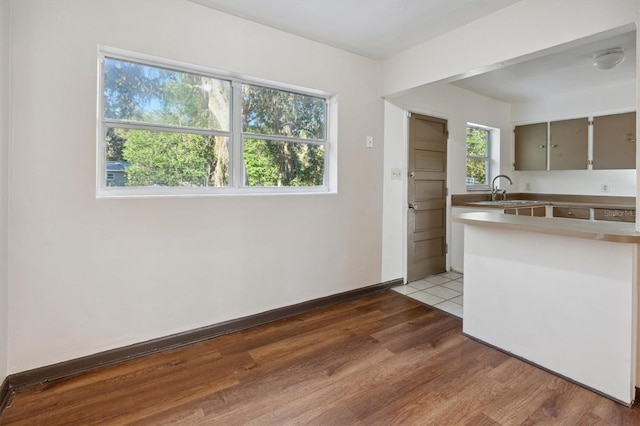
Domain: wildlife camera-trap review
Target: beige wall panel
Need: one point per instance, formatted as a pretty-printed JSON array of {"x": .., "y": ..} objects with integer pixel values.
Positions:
[
  {"x": 429, "y": 219},
  {"x": 432, "y": 161},
  {"x": 429, "y": 248},
  {"x": 429, "y": 130},
  {"x": 427, "y": 190}
]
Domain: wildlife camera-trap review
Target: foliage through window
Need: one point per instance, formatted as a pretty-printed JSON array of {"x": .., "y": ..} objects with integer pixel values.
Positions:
[
  {"x": 478, "y": 157},
  {"x": 170, "y": 126},
  {"x": 283, "y": 135}
]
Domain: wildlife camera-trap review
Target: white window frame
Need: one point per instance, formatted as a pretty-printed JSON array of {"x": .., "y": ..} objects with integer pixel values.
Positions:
[
  {"x": 235, "y": 134},
  {"x": 487, "y": 158}
]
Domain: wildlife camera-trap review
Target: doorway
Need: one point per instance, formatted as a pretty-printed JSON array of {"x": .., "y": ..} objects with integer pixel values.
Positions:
[{"x": 427, "y": 197}]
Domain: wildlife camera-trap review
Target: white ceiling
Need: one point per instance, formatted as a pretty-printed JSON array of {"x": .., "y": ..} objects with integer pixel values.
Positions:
[
  {"x": 374, "y": 28},
  {"x": 563, "y": 71},
  {"x": 382, "y": 28}
]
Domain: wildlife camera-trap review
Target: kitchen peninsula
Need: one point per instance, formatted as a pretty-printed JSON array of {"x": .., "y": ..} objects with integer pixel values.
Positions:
[{"x": 558, "y": 292}]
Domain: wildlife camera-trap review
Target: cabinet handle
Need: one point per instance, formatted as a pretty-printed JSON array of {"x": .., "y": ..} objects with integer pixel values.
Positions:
[
  {"x": 542, "y": 146},
  {"x": 570, "y": 213},
  {"x": 554, "y": 146}
]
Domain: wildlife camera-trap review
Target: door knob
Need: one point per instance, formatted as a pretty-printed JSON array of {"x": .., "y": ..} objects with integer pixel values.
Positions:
[
  {"x": 412, "y": 174},
  {"x": 413, "y": 206}
]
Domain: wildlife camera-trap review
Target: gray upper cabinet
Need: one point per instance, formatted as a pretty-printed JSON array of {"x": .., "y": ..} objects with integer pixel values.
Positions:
[
  {"x": 531, "y": 147},
  {"x": 614, "y": 145},
  {"x": 569, "y": 141}
]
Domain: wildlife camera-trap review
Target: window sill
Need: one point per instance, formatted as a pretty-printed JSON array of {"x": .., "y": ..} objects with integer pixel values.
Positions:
[
  {"x": 105, "y": 193},
  {"x": 477, "y": 188}
]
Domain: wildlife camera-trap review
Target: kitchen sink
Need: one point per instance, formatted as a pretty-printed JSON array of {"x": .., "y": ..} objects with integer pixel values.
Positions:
[{"x": 503, "y": 202}]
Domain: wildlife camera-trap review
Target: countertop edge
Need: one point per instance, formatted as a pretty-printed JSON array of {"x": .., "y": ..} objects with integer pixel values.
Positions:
[
  {"x": 543, "y": 203},
  {"x": 601, "y": 231}
]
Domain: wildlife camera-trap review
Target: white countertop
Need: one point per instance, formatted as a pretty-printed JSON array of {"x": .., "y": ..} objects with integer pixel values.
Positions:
[{"x": 617, "y": 232}]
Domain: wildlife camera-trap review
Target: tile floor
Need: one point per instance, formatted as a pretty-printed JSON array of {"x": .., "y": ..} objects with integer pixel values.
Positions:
[{"x": 442, "y": 291}]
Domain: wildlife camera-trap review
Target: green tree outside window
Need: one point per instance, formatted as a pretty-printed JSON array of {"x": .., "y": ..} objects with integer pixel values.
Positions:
[{"x": 477, "y": 156}]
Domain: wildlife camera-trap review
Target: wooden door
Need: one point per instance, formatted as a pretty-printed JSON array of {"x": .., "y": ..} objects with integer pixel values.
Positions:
[{"x": 427, "y": 196}]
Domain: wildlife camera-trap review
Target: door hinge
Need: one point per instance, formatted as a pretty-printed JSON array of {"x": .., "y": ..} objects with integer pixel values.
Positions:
[
  {"x": 589, "y": 162},
  {"x": 409, "y": 114},
  {"x": 590, "y": 122},
  {"x": 446, "y": 192},
  {"x": 446, "y": 248}
]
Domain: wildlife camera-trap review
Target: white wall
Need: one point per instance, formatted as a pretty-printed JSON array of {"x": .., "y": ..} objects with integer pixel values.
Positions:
[
  {"x": 584, "y": 331},
  {"x": 458, "y": 107},
  {"x": 394, "y": 210},
  {"x": 5, "y": 22},
  {"x": 590, "y": 102},
  {"x": 88, "y": 275}
]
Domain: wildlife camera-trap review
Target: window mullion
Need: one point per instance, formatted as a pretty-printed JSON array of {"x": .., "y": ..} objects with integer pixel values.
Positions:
[
  {"x": 278, "y": 138},
  {"x": 101, "y": 155},
  {"x": 152, "y": 127},
  {"x": 236, "y": 174}
]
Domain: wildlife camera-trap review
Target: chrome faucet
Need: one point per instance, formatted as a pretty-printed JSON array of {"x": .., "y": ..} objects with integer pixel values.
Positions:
[{"x": 494, "y": 188}]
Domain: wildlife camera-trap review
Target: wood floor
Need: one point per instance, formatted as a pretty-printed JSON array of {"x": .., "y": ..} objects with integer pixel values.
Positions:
[{"x": 383, "y": 359}]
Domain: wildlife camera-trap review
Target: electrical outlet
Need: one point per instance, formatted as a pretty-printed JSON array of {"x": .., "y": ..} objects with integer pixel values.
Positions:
[
  {"x": 369, "y": 141},
  {"x": 527, "y": 186},
  {"x": 604, "y": 187},
  {"x": 396, "y": 174}
]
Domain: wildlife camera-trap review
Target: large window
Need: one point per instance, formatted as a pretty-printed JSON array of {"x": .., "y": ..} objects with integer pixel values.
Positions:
[
  {"x": 478, "y": 157},
  {"x": 169, "y": 128}
]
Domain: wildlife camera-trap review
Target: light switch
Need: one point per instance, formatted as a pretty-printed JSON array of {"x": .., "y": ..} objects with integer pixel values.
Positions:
[{"x": 396, "y": 174}]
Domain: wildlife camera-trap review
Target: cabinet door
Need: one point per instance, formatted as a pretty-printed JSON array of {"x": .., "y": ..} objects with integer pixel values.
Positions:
[
  {"x": 568, "y": 144},
  {"x": 571, "y": 212},
  {"x": 615, "y": 215},
  {"x": 524, "y": 211},
  {"x": 531, "y": 147},
  {"x": 539, "y": 211},
  {"x": 614, "y": 144}
]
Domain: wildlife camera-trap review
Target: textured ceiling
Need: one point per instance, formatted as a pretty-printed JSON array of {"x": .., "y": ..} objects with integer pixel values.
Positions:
[{"x": 563, "y": 71}]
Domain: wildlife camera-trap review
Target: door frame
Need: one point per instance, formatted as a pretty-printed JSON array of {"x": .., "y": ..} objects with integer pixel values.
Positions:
[{"x": 410, "y": 109}]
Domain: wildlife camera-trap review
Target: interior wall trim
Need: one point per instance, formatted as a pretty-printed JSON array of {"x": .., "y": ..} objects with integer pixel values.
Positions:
[{"x": 88, "y": 363}]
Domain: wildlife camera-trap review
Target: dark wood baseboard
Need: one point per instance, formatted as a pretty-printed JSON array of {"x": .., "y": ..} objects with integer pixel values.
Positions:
[
  {"x": 636, "y": 400},
  {"x": 5, "y": 393},
  {"x": 92, "y": 362}
]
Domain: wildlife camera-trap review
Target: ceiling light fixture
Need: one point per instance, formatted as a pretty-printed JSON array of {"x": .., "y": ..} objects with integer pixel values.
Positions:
[{"x": 609, "y": 58}]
